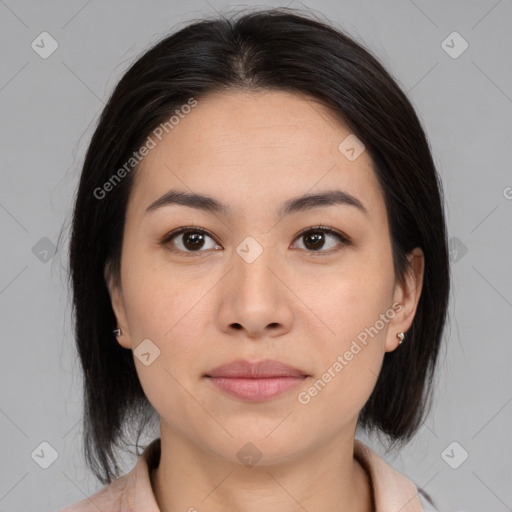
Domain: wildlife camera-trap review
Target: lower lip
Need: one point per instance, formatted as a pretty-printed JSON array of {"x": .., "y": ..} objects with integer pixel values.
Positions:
[{"x": 255, "y": 390}]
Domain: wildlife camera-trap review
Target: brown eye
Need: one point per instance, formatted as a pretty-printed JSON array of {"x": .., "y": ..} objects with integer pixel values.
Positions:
[
  {"x": 317, "y": 238},
  {"x": 314, "y": 240},
  {"x": 193, "y": 240},
  {"x": 189, "y": 240}
]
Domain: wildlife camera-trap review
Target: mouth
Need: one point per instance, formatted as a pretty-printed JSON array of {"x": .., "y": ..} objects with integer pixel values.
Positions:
[{"x": 255, "y": 381}]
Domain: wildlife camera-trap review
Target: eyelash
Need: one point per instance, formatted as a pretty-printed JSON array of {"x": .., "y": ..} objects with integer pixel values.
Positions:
[{"x": 345, "y": 241}]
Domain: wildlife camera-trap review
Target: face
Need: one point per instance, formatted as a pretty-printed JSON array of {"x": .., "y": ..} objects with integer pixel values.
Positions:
[{"x": 257, "y": 280}]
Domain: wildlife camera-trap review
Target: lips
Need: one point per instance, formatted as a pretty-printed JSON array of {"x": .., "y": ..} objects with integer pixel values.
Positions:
[
  {"x": 267, "y": 368},
  {"x": 257, "y": 381}
]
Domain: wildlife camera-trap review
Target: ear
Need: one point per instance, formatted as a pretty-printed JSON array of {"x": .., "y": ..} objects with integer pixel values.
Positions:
[
  {"x": 117, "y": 300},
  {"x": 406, "y": 298}
]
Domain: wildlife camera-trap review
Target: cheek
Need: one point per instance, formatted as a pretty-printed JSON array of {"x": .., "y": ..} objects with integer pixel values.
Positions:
[
  {"x": 168, "y": 306},
  {"x": 355, "y": 315},
  {"x": 350, "y": 359},
  {"x": 352, "y": 300},
  {"x": 163, "y": 307}
]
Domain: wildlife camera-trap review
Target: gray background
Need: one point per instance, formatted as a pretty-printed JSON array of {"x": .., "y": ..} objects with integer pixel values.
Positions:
[{"x": 48, "y": 108}]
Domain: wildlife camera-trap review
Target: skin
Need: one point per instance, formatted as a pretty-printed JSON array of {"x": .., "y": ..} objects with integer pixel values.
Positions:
[{"x": 253, "y": 151}]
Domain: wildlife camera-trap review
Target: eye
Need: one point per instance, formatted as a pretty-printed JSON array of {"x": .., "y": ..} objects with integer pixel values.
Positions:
[
  {"x": 189, "y": 239},
  {"x": 315, "y": 238}
]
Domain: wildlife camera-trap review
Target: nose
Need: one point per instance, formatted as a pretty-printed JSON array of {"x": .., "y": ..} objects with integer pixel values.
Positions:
[{"x": 255, "y": 299}]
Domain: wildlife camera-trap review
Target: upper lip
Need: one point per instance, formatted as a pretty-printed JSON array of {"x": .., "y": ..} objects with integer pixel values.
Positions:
[{"x": 257, "y": 369}]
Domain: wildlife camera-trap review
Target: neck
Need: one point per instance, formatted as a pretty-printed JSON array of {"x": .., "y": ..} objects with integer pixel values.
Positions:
[{"x": 190, "y": 478}]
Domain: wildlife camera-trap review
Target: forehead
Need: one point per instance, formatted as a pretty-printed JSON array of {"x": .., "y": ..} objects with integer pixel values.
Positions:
[{"x": 265, "y": 145}]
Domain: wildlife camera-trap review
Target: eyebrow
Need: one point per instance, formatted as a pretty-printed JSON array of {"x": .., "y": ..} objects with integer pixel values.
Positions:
[{"x": 293, "y": 205}]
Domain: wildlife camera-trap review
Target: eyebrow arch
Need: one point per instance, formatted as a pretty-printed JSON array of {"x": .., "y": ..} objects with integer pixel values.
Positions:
[{"x": 293, "y": 205}]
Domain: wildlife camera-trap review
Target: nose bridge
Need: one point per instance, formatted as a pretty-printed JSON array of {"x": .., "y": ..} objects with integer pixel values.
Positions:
[
  {"x": 255, "y": 296},
  {"x": 252, "y": 260}
]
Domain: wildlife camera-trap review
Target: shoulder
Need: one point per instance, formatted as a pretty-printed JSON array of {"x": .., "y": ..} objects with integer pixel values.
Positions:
[{"x": 107, "y": 499}]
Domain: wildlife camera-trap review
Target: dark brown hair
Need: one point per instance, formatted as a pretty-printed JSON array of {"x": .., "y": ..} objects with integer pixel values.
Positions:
[{"x": 280, "y": 49}]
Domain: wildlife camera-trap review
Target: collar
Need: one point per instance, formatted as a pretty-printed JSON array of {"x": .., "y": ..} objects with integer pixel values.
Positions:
[{"x": 392, "y": 491}]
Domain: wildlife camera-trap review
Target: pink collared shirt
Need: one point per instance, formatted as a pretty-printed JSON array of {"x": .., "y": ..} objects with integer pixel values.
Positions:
[{"x": 392, "y": 491}]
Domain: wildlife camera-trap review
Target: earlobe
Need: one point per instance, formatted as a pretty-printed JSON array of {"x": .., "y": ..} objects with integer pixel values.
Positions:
[{"x": 407, "y": 295}]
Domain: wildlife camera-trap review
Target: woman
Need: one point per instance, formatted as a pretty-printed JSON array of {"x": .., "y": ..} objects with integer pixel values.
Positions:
[{"x": 260, "y": 224}]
